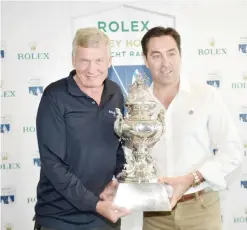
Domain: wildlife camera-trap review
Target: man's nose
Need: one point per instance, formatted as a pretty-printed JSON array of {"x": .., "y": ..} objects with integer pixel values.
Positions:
[
  {"x": 92, "y": 67},
  {"x": 165, "y": 60}
]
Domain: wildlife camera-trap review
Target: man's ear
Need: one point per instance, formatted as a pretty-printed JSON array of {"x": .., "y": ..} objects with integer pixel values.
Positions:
[
  {"x": 73, "y": 61},
  {"x": 145, "y": 61}
]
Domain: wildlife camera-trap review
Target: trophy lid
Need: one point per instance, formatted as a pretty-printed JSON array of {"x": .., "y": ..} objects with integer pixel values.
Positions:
[{"x": 139, "y": 92}]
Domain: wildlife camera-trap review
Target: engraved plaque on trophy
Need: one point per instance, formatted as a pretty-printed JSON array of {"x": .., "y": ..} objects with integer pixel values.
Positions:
[{"x": 140, "y": 129}]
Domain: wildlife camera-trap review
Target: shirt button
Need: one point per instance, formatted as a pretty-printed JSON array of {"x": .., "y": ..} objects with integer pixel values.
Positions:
[{"x": 93, "y": 102}]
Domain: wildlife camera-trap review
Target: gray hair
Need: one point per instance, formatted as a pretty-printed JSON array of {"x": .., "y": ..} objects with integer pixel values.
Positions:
[{"x": 89, "y": 37}]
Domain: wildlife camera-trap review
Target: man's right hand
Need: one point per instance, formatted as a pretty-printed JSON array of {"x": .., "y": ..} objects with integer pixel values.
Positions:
[
  {"x": 110, "y": 211},
  {"x": 110, "y": 190}
]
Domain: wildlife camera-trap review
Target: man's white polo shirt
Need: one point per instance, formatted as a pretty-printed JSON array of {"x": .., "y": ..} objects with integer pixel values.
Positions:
[{"x": 196, "y": 121}]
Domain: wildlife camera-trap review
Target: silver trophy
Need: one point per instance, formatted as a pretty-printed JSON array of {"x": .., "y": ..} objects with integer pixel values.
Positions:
[{"x": 139, "y": 130}]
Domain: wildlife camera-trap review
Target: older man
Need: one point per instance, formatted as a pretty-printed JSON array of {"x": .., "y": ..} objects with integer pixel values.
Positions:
[{"x": 79, "y": 150}]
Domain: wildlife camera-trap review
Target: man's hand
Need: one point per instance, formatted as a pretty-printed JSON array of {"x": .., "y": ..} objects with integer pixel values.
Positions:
[
  {"x": 179, "y": 184},
  {"x": 110, "y": 191},
  {"x": 111, "y": 211}
]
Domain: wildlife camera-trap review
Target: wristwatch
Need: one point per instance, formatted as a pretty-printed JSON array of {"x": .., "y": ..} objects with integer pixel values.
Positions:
[{"x": 196, "y": 181}]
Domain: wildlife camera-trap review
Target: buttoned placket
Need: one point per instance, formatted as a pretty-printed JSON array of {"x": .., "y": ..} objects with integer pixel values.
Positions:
[{"x": 168, "y": 139}]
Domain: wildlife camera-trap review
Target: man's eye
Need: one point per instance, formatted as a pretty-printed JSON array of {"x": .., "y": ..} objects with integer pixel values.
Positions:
[
  {"x": 156, "y": 56},
  {"x": 84, "y": 61},
  {"x": 99, "y": 61},
  {"x": 171, "y": 54}
]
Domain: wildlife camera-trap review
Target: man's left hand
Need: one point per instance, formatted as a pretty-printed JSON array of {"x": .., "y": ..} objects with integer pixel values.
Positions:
[{"x": 179, "y": 184}]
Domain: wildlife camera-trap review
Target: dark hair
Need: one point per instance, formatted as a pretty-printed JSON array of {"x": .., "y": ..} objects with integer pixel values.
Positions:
[{"x": 158, "y": 32}]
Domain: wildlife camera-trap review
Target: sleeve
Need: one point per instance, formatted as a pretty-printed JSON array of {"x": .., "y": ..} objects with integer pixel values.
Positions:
[
  {"x": 222, "y": 132},
  {"x": 51, "y": 135},
  {"x": 120, "y": 152}
]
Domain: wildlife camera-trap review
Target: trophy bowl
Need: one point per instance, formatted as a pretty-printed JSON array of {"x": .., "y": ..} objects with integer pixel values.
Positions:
[{"x": 139, "y": 130}]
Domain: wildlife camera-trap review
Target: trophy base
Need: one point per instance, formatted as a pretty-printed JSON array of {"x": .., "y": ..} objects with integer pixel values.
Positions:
[{"x": 142, "y": 197}]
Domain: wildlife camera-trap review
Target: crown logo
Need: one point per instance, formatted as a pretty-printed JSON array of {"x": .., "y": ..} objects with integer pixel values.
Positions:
[
  {"x": 2, "y": 45},
  {"x": 5, "y": 119},
  {"x": 212, "y": 42},
  {"x": 8, "y": 227},
  {"x": 33, "y": 46},
  {"x": 245, "y": 76},
  {"x": 4, "y": 156},
  {"x": 1, "y": 84}
]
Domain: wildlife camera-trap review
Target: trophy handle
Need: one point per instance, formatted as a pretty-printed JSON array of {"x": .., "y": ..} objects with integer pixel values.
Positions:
[
  {"x": 161, "y": 118},
  {"x": 118, "y": 124}
]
